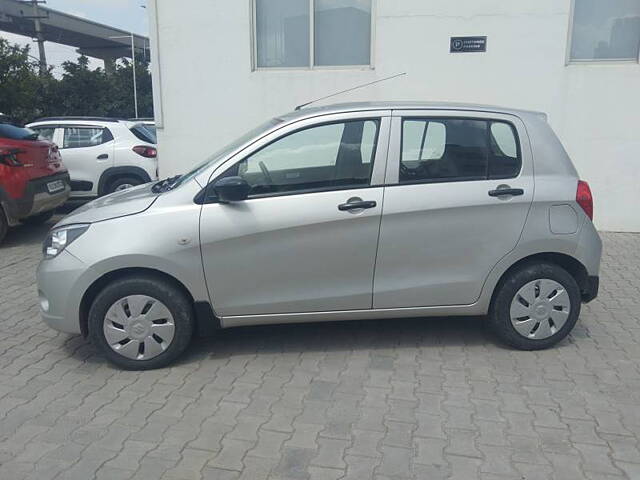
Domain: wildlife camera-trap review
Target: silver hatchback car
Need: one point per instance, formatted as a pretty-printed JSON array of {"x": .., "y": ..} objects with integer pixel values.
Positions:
[{"x": 354, "y": 211}]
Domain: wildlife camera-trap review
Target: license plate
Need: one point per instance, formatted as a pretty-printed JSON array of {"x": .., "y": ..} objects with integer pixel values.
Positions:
[{"x": 56, "y": 186}]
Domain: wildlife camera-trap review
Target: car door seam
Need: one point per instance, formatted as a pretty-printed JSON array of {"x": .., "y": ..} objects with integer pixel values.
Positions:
[{"x": 384, "y": 188}]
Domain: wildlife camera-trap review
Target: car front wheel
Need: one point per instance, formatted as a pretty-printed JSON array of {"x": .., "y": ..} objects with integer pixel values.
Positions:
[
  {"x": 123, "y": 183},
  {"x": 141, "y": 322},
  {"x": 535, "y": 307}
]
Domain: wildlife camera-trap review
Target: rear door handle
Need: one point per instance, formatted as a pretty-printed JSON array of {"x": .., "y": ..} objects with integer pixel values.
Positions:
[
  {"x": 357, "y": 205},
  {"x": 506, "y": 191},
  {"x": 104, "y": 156}
]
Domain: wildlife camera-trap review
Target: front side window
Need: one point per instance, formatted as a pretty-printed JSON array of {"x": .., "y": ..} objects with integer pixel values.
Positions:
[
  {"x": 78, "y": 137},
  {"x": 341, "y": 32},
  {"x": 605, "y": 30},
  {"x": 438, "y": 149},
  {"x": 331, "y": 156}
]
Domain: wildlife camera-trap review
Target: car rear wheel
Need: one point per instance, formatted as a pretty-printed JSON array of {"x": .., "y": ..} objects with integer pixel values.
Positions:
[
  {"x": 535, "y": 307},
  {"x": 38, "y": 219},
  {"x": 123, "y": 183},
  {"x": 141, "y": 322}
]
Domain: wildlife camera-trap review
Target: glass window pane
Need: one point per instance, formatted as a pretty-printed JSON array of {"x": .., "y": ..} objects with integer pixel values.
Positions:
[
  {"x": 321, "y": 157},
  {"x": 434, "y": 142},
  {"x": 423, "y": 140},
  {"x": 368, "y": 146},
  {"x": 45, "y": 132},
  {"x": 606, "y": 30},
  {"x": 315, "y": 147},
  {"x": 441, "y": 150},
  {"x": 78, "y": 137},
  {"x": 282, "y": 33},
  {"x": 504, "y": 160},
  {"x": 412, "y": 133},
  {"x": 342, "y": 32},
  {"x": 16, "y": 133}
]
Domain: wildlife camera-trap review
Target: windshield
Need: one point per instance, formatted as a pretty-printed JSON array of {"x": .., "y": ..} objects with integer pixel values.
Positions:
[
  {"x": 227, "y": 150},
  {"x": 17, "y": 133}
]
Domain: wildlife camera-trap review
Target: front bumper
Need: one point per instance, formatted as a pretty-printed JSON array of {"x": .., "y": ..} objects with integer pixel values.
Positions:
[
  {"x": 59, "y": 291},
  {"x": 591, "y": 289}
]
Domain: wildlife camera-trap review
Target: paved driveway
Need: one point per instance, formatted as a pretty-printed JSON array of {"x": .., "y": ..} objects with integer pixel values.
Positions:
[{"x": 387, "y": 400}]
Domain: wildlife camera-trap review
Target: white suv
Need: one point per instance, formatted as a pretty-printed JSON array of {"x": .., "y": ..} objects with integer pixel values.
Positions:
[{"x": 103, "y": 155}]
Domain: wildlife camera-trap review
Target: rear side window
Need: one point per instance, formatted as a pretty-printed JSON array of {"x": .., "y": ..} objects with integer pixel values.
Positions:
[
  {"x": 45, "y": 132},
  {"x": 455, "y": 149},
  {"x": 16, "y": 133},
  {"x": 78, "y": 137},
  {"x": 145, "y": 133}
]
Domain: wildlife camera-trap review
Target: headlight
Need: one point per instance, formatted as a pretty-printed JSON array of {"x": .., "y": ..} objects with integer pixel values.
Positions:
[{"x": 60, "y": 238}]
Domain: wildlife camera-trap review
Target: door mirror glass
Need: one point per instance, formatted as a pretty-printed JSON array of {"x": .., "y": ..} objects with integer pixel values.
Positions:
[{"x": 231, "y": 189}]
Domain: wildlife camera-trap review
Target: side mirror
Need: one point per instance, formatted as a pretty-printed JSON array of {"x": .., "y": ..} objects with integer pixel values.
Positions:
[{"x": 232, "y": 189}]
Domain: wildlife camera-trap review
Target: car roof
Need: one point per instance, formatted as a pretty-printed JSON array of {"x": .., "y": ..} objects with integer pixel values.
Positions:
[
  {"x": 88, "y": 121},
  {"x": 305, "y": 112}
]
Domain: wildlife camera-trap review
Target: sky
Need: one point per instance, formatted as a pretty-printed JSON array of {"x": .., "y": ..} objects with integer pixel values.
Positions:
[{"x": 127, "y": 15}]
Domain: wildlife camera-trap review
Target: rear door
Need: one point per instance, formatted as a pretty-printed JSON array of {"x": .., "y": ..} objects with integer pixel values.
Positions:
[
  {"x": 459, "y": 188},
  {"x": 87, "y": 151}
]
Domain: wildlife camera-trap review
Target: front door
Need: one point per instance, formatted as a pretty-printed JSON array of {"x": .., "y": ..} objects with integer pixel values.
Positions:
[
  {"x": 87, "y": 151},
  {"x": 459, "y": 191},
  {"x": 305, "y": 240}
]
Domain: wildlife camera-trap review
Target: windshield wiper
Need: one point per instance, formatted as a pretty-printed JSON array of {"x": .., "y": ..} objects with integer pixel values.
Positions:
[{"x": 164, "y": 185}]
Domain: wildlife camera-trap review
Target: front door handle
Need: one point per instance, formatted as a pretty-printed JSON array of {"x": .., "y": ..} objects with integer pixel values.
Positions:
[
  {"x": 104, "y": 156},
  {"x": 506, "y": 191},
  {"x": 357, "y": 205}
]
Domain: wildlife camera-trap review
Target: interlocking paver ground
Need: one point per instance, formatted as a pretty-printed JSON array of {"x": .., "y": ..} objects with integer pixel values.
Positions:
[{"x": 396, "y": 399}]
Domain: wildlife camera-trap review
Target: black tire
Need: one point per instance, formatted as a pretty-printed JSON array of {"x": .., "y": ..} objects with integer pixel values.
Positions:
[
  {"x": 38, "y": 219},
  {"x": 120, "y": 181},
  {"x": 4, "y": 225},
  {"x": 174, "y": 299},
  {"x": 499, "y": 319}
]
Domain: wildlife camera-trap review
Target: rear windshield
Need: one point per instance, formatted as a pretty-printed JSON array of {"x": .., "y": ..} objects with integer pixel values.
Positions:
[
  {"x": 17, "y": 133},
  {"x": 144, "y": 133}
]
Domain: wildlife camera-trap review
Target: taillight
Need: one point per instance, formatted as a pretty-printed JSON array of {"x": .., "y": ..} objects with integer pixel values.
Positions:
[
  {"x": 147, "y": 152},
  {"x": 10, "y": 157},
  {"x": 584, "y": 198}
]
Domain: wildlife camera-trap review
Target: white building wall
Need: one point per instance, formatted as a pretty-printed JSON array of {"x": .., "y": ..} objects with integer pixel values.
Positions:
[{"x": 206, "y": 93}]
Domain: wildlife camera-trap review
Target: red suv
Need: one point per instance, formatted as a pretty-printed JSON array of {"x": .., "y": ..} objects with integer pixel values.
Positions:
[{"x": 33, "y": 180}]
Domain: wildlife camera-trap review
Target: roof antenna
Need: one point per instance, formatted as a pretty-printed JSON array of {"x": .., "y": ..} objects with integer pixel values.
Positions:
[{"x": 299, "y": 107}]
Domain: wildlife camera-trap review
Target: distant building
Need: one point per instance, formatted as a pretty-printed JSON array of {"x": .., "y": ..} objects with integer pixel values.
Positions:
[{"x": 222, "y": 67}]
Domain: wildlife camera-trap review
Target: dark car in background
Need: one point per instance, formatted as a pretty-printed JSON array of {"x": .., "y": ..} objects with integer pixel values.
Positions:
[{"x": 33, "y": 179}]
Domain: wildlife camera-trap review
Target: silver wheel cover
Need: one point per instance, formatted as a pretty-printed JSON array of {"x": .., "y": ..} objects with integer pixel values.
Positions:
[
  {"x": 124, "y": 186},
  {"x": 139, "y": 327},
  {"x": 540, "y": 309}
]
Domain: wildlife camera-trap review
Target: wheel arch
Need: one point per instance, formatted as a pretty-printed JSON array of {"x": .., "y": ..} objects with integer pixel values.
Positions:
[
  {"x": 205, "y": 318},
  {"x": 573, "y": 266},
  {"x": 114, "y": 172}
]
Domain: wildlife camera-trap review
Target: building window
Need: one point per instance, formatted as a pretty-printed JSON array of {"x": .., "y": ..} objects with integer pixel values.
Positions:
[
  {"x": 312, "y": 33},
  {"x": 605, "y": 30}
]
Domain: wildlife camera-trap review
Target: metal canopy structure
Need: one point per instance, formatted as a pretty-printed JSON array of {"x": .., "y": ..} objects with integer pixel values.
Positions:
[{"x": 93, "y": 39}]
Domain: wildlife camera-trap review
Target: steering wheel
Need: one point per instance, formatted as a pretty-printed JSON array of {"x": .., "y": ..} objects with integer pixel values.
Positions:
[{"x": 265, "y": 172}]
